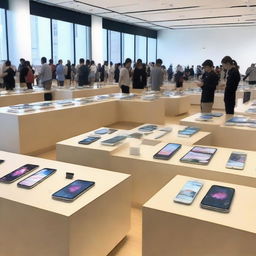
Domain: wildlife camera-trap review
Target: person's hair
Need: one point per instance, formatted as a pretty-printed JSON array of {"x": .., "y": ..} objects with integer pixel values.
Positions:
[
  {"x": 60, "y": 61},
  {"x": 27, "y": 63},
  {"x": 208, "y": 63},
  {"x": 128, "y": 60},
  {"x": 8, "y": 63},
  {"x": 50, "y": 61},
  {"x": 227, "y": 60},
  {"x": 22, "y": 60},
  {"x": 68, "y": 62},
  {"x": 111, "y": 63},
  {"x": 43, "y": 60},
  {"x": 81, "y": 60},
  {"x": 92, "y": 62},
  {"x": 159, "y": 62},
  {"x": 88, "y": 62},
  {"x": 139, "y": 61}
]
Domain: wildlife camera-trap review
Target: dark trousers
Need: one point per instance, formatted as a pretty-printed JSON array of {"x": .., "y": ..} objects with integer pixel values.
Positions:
[
  {"x": 229, "y": 107},
  {"x": 125, "y": 89},
  {"x": 29, "y": 86}
]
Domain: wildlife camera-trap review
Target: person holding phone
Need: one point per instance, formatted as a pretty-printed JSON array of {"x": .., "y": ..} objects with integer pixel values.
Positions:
[
  {"x": 208, "y": 85},
  {"x": 233, "y": 79}
]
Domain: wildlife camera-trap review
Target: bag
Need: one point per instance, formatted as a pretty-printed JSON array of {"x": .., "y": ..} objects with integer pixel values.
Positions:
[
  {"x": 30, "y": 77},
  {"x": 48, "y": 96}
]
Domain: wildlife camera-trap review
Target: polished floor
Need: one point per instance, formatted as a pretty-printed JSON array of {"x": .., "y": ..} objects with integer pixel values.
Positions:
[{"x": 132, "y": 244}]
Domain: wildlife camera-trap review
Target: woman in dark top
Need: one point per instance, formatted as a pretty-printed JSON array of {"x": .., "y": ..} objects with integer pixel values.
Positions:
[
  {"x": 68, "y": 71},
  {"x": 117, "y": 72},
  {"x": 233, "y": 79},
  {"x": 8, "y": 76},
  {"x": 139, "y": 77}
]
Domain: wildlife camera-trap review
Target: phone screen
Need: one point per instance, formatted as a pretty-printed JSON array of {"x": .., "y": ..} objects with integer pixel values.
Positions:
[
  {"x": 114, "y": 140},
  {"x": 102, "y": 131},
  {"x": 167, "y": 151},
  {"x": 188, "y": 192},
  {"x": 218, "y": 197},
  {"x": 89, "y": 140},
  {"x": 204, "y": 150},
  {"x": 36, "y": 178},
  {"x": 18, "y": 173},
  {"x": 236, "y": 160},
  {"x": 148, "y": 128},
  {"x": 73, "y": 190}
]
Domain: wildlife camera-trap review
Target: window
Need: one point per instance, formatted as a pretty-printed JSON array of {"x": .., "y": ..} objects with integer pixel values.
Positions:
[
  {"x": 151, "y": 50},
  {"x": 3, "y": 41},
  {"x": 63, "y": 41},
  {"x": 82, "y": 42},
  {"x": 114, "y": 46},
  {"x": 105, "y": 44},
  {"x": 128, "y": 47},
  {"x": 41, "y": 39},
  {"x": 141, "y": 48}
]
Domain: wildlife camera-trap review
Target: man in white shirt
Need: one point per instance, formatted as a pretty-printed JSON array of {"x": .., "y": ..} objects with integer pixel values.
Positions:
[
  {"x": 125, "y": 79},
  {"x": 45, "y": 74}
]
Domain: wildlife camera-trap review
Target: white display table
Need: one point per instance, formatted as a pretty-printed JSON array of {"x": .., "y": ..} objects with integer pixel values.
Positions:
[
  {"x": 42, "y": 226},
  {"x": 8, "y": 99},
  {"x": 61, "y": 94},
  {"x": 242, "y": 108},
  {"x": 175, "y": 229}
]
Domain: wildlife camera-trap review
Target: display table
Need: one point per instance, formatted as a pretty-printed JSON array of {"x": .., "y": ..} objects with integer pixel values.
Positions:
[
  {"x": 42, "y": 226},
  {"x": 37, "y": 131},
  {"x": 241, "y": 109},
  {"x": 176, "y": 105},
  {"x": 61, "y": 94},
  {"x": 8, "y": 99},
  {"x": 71, "y": 152},
  {"x": 175, "y": 229}
]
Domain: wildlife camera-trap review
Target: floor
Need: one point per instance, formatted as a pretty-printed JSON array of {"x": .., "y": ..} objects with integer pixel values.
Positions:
[{"x": 132, "y": 244}]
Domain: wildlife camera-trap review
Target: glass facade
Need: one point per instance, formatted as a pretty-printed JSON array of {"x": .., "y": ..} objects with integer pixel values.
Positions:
[
  {"x": 141, "y": 48},
  {"x": 152, "y": 45},
  {"x": 114, "y": 46},
  {"x": 3, "y": 40},
  {"x": 41, "y": 39},
  {"x": 128, "y": 47},
  {"x": 63, "y": 41}
]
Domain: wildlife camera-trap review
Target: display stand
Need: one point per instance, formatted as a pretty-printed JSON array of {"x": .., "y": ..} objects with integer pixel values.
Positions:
[
  {"x": 42, "y": 226},
  {"x": 176, "y": 105},
  {"x": 179, "y": 229}
]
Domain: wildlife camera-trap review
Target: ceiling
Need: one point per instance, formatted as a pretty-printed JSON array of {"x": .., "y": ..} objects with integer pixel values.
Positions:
[{"x": 169, "y": 14}]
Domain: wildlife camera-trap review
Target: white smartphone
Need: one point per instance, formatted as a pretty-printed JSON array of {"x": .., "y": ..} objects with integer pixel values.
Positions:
[
  {"x": 188, "y": 192},
  {"x": 236, "y": 161}
]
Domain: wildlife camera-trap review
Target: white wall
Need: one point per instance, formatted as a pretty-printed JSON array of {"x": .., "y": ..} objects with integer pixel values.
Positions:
[
  {"x": 97, "y": 39},
  {"x": 192, "y": 47},
  {"x": 19, "y": 31}
]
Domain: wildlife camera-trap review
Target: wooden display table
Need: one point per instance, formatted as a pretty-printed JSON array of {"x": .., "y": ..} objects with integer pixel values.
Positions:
[
  {"x": 71, "y": 152},
  {"x": 42, "y": 226},
  {"x": 242, "y": 108},
  {"x": 61, "y": 94},
  {"x": 8, "y": 99},
  {"x": 37, "y": 131},
  {"x": 175, "y": 229},
  {"x": 176, "y": 105}
]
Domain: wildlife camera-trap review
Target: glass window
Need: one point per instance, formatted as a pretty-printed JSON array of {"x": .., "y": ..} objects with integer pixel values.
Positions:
[
  {"x": 63, "y": 41},
  {"x": 105, "y": 49},
  {"x": 128, "y": 46},
  {"x": 114, "y": 46},
  {"x": 141, "y": 48},
  {"x": 3, "y": 44},
  {"x": 41, "y": 39},
  {"x": 151, "y": 50},
  {"x": 82, "y": 39}
]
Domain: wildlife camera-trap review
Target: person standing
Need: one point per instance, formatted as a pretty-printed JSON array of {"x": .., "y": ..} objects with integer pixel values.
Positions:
[
  {"x": 208, "y": 85},
  {"x": 83, "y": 73},
  {"x": 45, "y": 74},
  {"x": 124, "y": 79},
  {"x": 117, "y": 72},
  {"x": 139, "y": 76},
  {"x": 170, "y": 73},
  {"x": 157, "y": 76},
  {"x": 29, "y": 77},
  {"x": 111, "y": 73},
  {"x": 251, "y": 73},
  {"x": 179, "y": 78},
  {"x": 22, "y": 71},
  {"x": 53, "y": 68},
  {"x": 233, "y": 79},
  {"x": 8, "y": 76},
  {"x": 93, "y": 71},
  {"x": 60, "y": 73},
  {"x": 68, "y": 72}
]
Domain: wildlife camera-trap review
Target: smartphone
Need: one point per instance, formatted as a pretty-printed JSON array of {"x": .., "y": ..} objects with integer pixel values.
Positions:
[
  {"x": 73, "y": 190},
  {"x": 88, "y": 140},
  {"x": 188, "y": 132},
  {"x": 218, "y": 199},
  {"x": 199, "y": 155},
  {"x": 148, "y": 128},
  {"x": 18, "y": 173},
  {"x": 236, "y": 161},
  {"x": 36, "y": 178},
  {"x": 188, "y": 192},
  {"x": 113, "y": 141},
  {"x": 105, "y": 131},
  {"x": 1, "y": 161},
  {"x": 167, "y": 151}
]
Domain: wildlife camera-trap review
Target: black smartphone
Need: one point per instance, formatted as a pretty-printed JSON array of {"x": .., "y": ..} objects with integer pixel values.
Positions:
[
  {"x": 113, "y": 141},
  {"x": 36, "y": 178},
  {"x": 73, "y": 190},
  {"x": 167, "y": 151},
  {"x": 1, "y": 161},
  {"x": 88, "y": 140},
  {"x": 218, "y": 199},
  {"x": 18, "y": 173}
]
